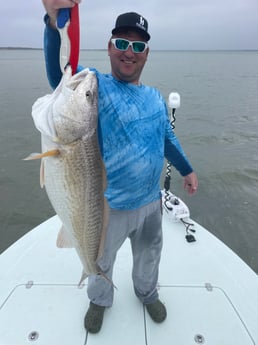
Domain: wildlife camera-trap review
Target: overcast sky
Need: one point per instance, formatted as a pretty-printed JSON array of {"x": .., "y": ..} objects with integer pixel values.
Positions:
[{"x": 173, "y": 24}]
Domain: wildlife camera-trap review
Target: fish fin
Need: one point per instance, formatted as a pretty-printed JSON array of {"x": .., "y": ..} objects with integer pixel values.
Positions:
[
  {"x": 54, "y": 152},
  {"x": 42, "y": 175},
  {"x": 83, "y": 277},
  {"x": 62, "y": 240}
]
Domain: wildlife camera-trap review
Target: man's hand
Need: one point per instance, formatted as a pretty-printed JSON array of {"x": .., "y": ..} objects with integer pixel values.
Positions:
[
  {"x": 191, "y": 183},
  {"x": 52, "y": 7}
]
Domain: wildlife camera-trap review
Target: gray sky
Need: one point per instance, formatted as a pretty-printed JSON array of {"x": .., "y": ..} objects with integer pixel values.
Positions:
[{"x": 173, "y": 24}]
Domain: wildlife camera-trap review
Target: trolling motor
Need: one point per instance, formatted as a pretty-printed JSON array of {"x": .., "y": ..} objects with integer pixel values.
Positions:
[
  {"x": 175, "y": 208},
  {"x": 173, "y": 104}
]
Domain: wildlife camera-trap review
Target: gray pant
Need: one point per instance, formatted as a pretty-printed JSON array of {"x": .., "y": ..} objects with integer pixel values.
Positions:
[{"x": 143, "y": 227}]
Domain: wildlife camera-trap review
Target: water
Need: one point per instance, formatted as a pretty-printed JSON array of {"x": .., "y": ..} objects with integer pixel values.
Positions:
[{"x": 217, "y": 125}]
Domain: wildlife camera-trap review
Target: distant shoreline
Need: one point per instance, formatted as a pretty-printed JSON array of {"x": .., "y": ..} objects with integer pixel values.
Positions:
[
  {"x": 168, "y": 50},
  {"x": 29, "y": 48},
  {"x": 19, "y": 48}
]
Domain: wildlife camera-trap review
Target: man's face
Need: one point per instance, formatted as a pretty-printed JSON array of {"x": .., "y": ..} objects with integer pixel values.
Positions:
[{"x": 127, "y": 65}]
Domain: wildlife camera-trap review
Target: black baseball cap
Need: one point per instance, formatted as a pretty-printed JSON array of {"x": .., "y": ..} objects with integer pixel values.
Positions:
[{"x": 133, "y": 21}]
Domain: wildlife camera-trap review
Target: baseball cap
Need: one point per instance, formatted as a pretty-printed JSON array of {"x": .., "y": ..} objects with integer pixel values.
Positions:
[{"x": 133, "y": 21}]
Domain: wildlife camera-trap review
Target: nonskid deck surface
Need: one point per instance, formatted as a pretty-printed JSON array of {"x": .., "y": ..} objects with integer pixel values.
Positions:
[{"x": 210, "y": 294}]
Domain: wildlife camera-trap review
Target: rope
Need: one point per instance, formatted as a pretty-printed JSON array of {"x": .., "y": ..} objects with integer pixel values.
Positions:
[
  {"x": 69, "y": 29},
  {"x": 74, "y": 36}
]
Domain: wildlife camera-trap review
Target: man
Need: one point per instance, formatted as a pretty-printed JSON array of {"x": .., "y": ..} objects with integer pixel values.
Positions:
[{"x": 134, "y": 136}]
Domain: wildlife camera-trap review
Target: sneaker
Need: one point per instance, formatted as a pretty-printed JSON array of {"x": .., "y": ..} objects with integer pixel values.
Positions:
[
  {"x": 94, "y": 318},
  {"x": 157, "y": 311}
]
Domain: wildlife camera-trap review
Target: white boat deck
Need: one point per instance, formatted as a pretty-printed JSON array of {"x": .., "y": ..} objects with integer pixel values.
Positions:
[{"x": 211, "y": 295}]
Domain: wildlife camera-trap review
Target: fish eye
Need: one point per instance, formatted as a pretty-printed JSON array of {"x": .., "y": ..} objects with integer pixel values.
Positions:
[{"x": 88, "y": 94}]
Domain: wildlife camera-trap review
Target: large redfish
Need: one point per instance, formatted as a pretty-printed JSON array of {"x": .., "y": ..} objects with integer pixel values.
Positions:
[{"x": 72, "y": 168}]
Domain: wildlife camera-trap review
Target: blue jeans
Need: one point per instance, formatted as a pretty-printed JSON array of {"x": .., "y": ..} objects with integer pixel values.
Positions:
[{"x": 144, "y": 228}]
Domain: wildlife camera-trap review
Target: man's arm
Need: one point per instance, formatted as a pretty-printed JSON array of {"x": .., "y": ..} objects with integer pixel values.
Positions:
[
  {"x": 176, "y": 156},
  {"x": 51, "y": 51}
]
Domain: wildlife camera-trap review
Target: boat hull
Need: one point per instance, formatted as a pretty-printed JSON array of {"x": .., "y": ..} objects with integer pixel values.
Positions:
[{"x": 209, "y": 292}]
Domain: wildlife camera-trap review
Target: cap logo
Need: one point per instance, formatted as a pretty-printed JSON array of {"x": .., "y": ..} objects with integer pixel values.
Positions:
[{"x": 141, "y": 23}]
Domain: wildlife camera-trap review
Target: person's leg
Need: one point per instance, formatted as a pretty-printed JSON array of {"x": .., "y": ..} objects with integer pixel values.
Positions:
[
  {"x": 100, "y": 290},
  {"x": 146, "y": 244}
]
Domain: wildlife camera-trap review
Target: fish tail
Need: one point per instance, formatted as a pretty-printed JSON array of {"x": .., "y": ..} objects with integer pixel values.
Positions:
[
  {"x": 85, "y": 275},
  {"x": 108, "y": 279}
]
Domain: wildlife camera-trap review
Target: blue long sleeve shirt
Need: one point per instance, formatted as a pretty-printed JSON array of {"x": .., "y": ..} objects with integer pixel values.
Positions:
[{"x": 134, "y": 134}]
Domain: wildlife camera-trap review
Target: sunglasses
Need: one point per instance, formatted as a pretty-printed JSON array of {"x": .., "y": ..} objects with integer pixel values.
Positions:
[{"x": 123, "y": 44}]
